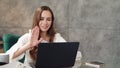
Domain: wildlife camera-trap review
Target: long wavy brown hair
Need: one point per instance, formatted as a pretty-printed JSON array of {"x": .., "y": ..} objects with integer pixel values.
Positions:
[{"x": 51, "y": 32}]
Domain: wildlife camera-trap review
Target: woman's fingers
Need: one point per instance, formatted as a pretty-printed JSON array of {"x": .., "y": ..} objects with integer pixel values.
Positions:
[
  {"x": 36, "y": 32},
  {"x": 34, "y": 37}
]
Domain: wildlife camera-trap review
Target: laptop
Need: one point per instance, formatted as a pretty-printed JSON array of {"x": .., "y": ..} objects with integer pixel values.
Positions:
[{"x": 56, "y": 55}]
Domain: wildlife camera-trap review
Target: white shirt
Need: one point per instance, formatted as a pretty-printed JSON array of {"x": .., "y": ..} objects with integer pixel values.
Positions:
[{"x": 23, "y": 40}]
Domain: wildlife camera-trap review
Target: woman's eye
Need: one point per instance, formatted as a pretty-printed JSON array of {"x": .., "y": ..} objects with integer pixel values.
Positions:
[
  {"x": 49, "y": 19},
  {"x": 41, "y": 19}
]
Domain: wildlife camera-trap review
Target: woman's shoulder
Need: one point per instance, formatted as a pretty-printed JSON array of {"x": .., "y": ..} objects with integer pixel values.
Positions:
[
  {"x": 57, "y": 35},
  {"x": 26, "y": 35},
  {"x": 59, "y": 38},
  {"x": 24, "y": 38}
]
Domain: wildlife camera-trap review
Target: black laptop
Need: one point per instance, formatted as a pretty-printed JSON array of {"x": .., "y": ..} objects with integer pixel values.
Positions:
[{"x": 56, "y": 55}]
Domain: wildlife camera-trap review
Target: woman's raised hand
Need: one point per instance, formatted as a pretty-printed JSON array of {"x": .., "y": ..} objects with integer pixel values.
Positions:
[
  {"x": 32, "y": 42},
  {"x": 34, "y": 37}
]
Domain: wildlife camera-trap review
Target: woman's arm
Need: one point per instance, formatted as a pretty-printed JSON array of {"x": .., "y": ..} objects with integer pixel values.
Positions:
[
  {"x": 21, "y": 41},
  {"x": 21, "y": 50},
  {"x": 31, "y": 43}
]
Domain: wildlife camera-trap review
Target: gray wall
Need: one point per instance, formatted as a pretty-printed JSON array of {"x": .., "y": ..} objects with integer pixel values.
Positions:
[{"x": 94, "y": 23}]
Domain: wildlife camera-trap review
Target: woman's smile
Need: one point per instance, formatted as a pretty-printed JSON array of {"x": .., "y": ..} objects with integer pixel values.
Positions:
[{"x": 45, "y": 27}]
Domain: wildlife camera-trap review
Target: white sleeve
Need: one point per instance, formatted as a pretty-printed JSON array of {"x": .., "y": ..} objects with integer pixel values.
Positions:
[
  {"x": 21, "y": 41},
  {"x": 59, "y": 38},
  {"x": 78, "y": 56}
]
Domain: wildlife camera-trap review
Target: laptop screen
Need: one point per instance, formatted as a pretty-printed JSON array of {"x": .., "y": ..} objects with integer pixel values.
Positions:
[{"x": 56, "y": 55}]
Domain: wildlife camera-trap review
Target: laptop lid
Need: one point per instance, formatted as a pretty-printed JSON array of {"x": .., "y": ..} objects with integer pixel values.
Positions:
[{"x": 56, "y": 55}]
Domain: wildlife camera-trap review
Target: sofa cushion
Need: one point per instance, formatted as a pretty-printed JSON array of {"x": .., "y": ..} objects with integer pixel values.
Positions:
[{"x": 9, "y": 40}]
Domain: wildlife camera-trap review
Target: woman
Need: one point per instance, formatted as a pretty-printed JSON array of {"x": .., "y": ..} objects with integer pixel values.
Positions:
[{"x": 42, "y": 31}]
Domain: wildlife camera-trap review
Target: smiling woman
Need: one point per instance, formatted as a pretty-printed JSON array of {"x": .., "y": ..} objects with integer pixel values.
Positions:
[{"x": 42, "y": 32}]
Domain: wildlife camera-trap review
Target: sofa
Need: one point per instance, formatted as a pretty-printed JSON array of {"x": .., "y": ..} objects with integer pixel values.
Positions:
[{"x": 8, "y": 41}]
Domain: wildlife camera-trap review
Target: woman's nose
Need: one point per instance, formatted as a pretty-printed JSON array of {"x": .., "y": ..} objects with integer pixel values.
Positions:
[{"x": 45, "y": 20}]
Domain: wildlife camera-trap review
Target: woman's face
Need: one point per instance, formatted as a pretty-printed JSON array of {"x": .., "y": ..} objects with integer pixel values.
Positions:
[{"x": 45, "y": 21}]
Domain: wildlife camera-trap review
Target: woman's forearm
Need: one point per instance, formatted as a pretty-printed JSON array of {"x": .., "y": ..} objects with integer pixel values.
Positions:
[{"x": 21, "y": 50}]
